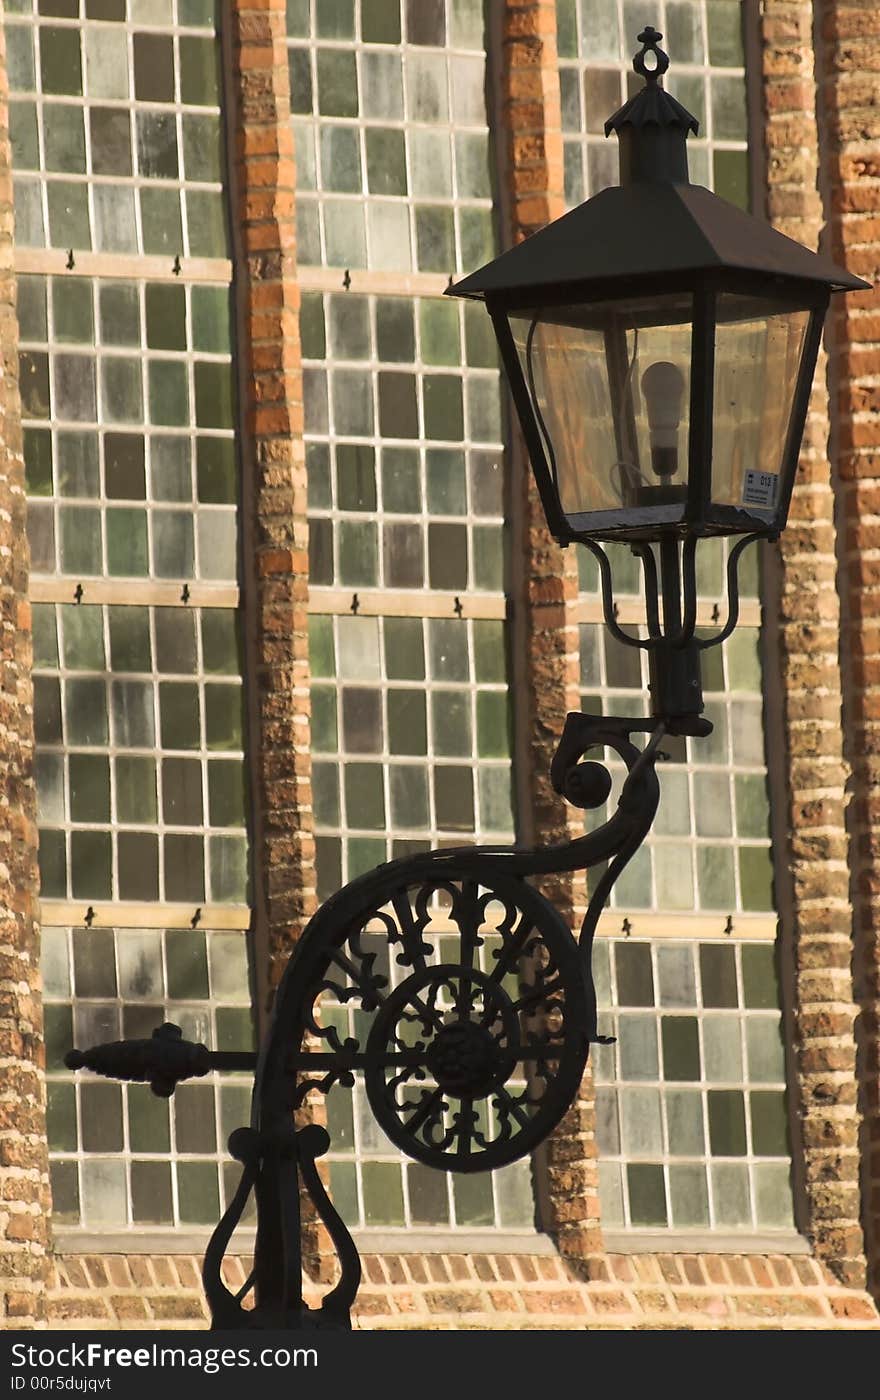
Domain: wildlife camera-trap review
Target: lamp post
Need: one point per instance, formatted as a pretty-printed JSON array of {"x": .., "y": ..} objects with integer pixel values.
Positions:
[{"x": 660, "y": 347}]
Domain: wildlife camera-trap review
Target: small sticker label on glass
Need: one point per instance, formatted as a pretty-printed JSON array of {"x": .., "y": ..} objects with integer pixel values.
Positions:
[{"x": 760, "y": 489}]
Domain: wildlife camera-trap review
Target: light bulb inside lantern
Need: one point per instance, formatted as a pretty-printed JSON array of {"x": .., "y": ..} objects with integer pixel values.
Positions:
[{"x": 663, "y": 388}]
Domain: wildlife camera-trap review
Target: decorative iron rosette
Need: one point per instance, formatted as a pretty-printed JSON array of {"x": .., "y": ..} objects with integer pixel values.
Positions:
[{"x": 462, "y": 1000}]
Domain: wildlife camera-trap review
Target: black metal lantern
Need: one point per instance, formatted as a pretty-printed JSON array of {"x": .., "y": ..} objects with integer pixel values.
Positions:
[{"x": 660, "y": 344}]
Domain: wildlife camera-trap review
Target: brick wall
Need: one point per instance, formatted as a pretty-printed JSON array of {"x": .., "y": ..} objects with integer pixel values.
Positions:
[
  {"x": 849, "y": 36},
  {"x": 808, "y": 650},
  {"x": 24, "y": 1183},
  {"x": 500, "y": 1291}
]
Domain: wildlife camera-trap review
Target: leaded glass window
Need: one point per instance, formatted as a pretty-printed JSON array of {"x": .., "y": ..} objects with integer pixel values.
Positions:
[
  {"x": 120, "y": 1156},
  {"x": 129, "y": 422},
  {"x": 389, "y": 115},
  {"x": 692, "y": 1124}
]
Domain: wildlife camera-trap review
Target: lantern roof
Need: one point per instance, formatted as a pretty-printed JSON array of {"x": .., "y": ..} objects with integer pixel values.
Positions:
[
  {"x": 655, "y": 224},
  {"x": 649, "y": 230}
]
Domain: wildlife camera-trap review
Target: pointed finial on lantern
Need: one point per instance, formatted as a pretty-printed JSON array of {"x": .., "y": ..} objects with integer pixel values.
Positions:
[
  {"x": 652, "y": 127},
  {"x": 650, "y": 40}
]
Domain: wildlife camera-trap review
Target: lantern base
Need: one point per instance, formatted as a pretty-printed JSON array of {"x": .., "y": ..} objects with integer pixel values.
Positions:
[{"x": 675, "y": 680}]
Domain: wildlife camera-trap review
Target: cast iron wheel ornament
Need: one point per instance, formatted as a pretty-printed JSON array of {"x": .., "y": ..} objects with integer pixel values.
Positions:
[{"x": 446, "y": 980}]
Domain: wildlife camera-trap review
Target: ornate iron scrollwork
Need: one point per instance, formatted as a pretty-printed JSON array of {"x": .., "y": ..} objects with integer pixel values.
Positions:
[{"x": 452, "y": 985}]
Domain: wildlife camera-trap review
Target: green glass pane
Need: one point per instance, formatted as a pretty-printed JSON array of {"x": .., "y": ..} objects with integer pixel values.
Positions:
[
  {"x": 404, "y": 648},
  {"x": 647, "y": 1194},
  {"x": 383, "y": 1193},
  {"x": 489, "y": 652},
  {"x": 199, "y": 72},
  {"x": 355, "y": 477},
  {"x": 364, "y": 797},
  {"x": 681, "y": 1048},
  {"x": 85, "y": 712},
  {"x": 684, "y": 1121},
  {"x": 160, "y": 220},
  {"x": 756, "y": 877},
  {"x": 386, "y": 163},
  {"x": 689, "y": 1196},
  {"x": 325, "y": 794},
  {"x": 407, "y": 724},
  {"x": 454, "y": 798},
  {"x": 395, "y": 329},
  {"x": 380, "y": 21},
  {"x": 168, "y": 392},
  {"x": 101, "y": 1117},
  {"x": 91, "y": 864},
  {"x": 718, "y": 975},
  {"x": 760, "y": 987},
  {"x": 567, "y": 28},
  {"x": 130, "y": 638},
  {"x": 727, "y": 1123},
  {"x": 730, "y": 176},
  {"x": 358, "y": 553},
  {"x": 729, "y": 117},
  {"x": 45, "y": 641},
  {"x": 38, "y": 462},
  {"x": 439, "y": 332},
  {"x": 166, "y": 317},
  {"x": 446, "y": 482},
  {"x": 151, "y": 1198},
  {"x": 186, "y": 961},
  {"x": 635, "y": 979},
  {"x": 194, "y": 1118},
  {"x": 53, "y": 865},
  {"x": 136, "y": 790},
  {"x": 474, "y": 1204},
  {"x": 764, "y": 1049},
  {"x": 398, "y": 414},
  {"x": 337, "y": 83},
  {"x": 216, "y": 470},
  {"x": 752, "y": 806},
  {"x": 60, "y": 61},
  {"x": 493, "y": 739},
  {"x": 72, "y": 311},
  {"x": 61, "y": 1117},
  {"x": 428, "y": 1199},
  {"x": 298, "y": 18},
  {"x": 179, "y": 715},
  {"x": 715, "y": 877},
  {"x": 89, "y": 788},
  {"x": 127, "y": 543},
  {"x": 148, "y": 1127},
  {"x": 198, "y": 1196},
  {"x": 202, "y": 148},
  {"x": 773, "y": 1195},
  {"x": 311, "y": 323},
  {"x": 409, "y": 796},
  {"x": 220, "y": 643},
  {"x": 138, "y": 866},
  {"x": 451, "y": 723},
  {"x": 234, "y": 1028},
  {"x": 58, "y": 1034},
  {"x": 435, "y": 239},
  {"x": 322, "y": 652},
  {"x": 730, "y": 1190},
  {"x": 226, "y": 794},
  {"x": 725, "y": 31},
  {"x": 213, "y": 390},
  {"x": 223, "y": 717},
  {"x": 83, "y": 638},
  {"x": 206, "y": 223},
  {"x": 334, "y": 19}
]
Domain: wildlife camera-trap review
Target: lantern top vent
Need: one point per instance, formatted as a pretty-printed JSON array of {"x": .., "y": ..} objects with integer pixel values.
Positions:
[{"x": 652, "y": 128}]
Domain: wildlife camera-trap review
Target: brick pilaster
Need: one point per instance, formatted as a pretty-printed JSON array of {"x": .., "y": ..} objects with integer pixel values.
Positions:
[
  {"x": 275, "y": 529},
  {"x": 808, "y": 650},
  {"x": 24, "y": 1172},
  {"x": 850, "y": 36},
  {"x": 546, "y": 638}
]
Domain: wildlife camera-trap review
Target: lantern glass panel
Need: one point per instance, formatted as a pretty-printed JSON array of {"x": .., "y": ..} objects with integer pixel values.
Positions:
[
  {"x": 758, "y": 353},
  {"x": 609, "y": 384}
]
